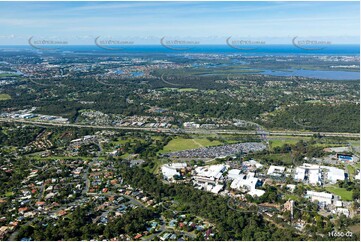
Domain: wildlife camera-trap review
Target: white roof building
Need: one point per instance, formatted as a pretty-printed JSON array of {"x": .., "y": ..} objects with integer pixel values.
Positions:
[
  {"x": 300, "y": 174},
  {"x": 310, "y": 172},
  {"x": 276, "y": 170},
  {"x": 334, "y": 174},
  {"x": 338, "y": 203},
  {"x": 339, "y": 149},
  {"x": 323, "y": 197},
  {"x": 168, "y": 172},
  {"x": 177, "y": 165},
  {"x": 256, "y": 192},
  {"x": 253, "y": 163},
  {"x": 217, "y": 188},
  {"x": 291, "y": 187},
  {"x": 234, "y": 174},
  {"x": 247, "y": 182},
  {"x": 314, "y": 176},
  {"x": 212, "y": 172},
  {"x": 344, "y": 211}
]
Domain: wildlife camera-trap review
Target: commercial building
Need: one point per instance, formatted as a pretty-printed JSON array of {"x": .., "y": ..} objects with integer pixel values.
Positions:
[
  {"x": 210, "y": 174},
  {"x": 316, "y": 175},
  {"x": 234, "y": 174},
  {"x": 171, "y": 170},
  {"x": 321, "y": 197},
  {"x": 333, "y": 174},
  {"x": 308, "y": 173},
  {"x": 247, "y": 183},
  {"x": 276, "y": 170}
]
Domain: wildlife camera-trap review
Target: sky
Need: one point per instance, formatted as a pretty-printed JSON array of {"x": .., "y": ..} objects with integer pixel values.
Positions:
[{"x": 206, "y": 22}]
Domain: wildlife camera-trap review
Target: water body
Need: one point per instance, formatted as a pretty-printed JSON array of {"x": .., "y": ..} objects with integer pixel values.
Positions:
[
  {"x": 137, "y": 74},
  {"x": 331, "y": 75},
  {"x": 199, "y": 49}
]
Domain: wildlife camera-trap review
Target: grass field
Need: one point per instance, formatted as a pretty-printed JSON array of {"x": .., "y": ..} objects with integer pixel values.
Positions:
[
  {"x": 187, "y": 90},
  {"x": 9, "y": 194},
  {"x": 283, "y": 157},
  {"x": 292, "y": 197},
  {"x": 281, "y": 140},
  {"x": 7, "y": 75},
  {"x": 342, "y": 192},
  {"x": 354, "y": 142},
  {"x": 4, "y": 96},
  {"x": 180, "y": 89},
  {"x": 351, "y": 171},
  {"x": 121, "y": 142},
  {"x": 178, "y": 144},
  {"x": 355, "y": 229}
]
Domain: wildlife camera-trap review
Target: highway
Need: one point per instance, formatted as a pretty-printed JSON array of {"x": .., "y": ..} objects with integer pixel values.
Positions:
[{"x": 188, "y": 131}]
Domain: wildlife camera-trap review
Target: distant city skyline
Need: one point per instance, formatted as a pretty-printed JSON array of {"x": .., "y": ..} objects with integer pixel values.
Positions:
[{"x": 206, "y": 22}]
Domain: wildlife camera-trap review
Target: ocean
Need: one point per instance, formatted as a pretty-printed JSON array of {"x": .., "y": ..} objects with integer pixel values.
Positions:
[{"x": 261, "y": 50}]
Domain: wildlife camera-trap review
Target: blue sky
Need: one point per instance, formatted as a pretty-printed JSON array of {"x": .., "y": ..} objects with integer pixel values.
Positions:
[{"x": 208, "y": 22}]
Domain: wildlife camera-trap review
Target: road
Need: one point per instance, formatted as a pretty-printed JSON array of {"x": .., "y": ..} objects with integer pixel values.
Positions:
[{"x": 189, "y": 131}]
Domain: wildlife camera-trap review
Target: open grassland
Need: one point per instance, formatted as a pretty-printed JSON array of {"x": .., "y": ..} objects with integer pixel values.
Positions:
[
  {"x": 355, "y": 229},
  {"x": 4, "y": 96},
  {"x": 7, "y": 75},
  {"x": 351, "y": 171},
  {"x": 278, "y": 141},
  {"x": 342, "y": 192},
  {"x": 178, "y": 144}
]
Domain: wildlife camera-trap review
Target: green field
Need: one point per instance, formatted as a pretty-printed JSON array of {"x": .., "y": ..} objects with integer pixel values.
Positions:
[
  {"x": 179, "y": 89},
  {"x": 351, "y": 171},
  {"x": 4, "y": 96},
  {"x": 178, "y": 144},
  {"x": 278, "y": 141},
  {"x": 9, "y": 194},
  {"x": 187, "y": 90},
  {"x": 292, "y": 197},
  {"x": 342, "y": 192},
  {"x": 7, "y": 75},
  {"x": 355, "y": 229},
  {"x": 283, "y": 157}
]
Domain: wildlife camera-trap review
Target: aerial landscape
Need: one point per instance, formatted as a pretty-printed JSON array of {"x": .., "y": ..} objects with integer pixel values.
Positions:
[{"x": 172, "y": 121}]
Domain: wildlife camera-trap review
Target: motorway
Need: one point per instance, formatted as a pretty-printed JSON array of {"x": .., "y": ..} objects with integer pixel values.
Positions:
[{"x": 188, "y": 131}]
